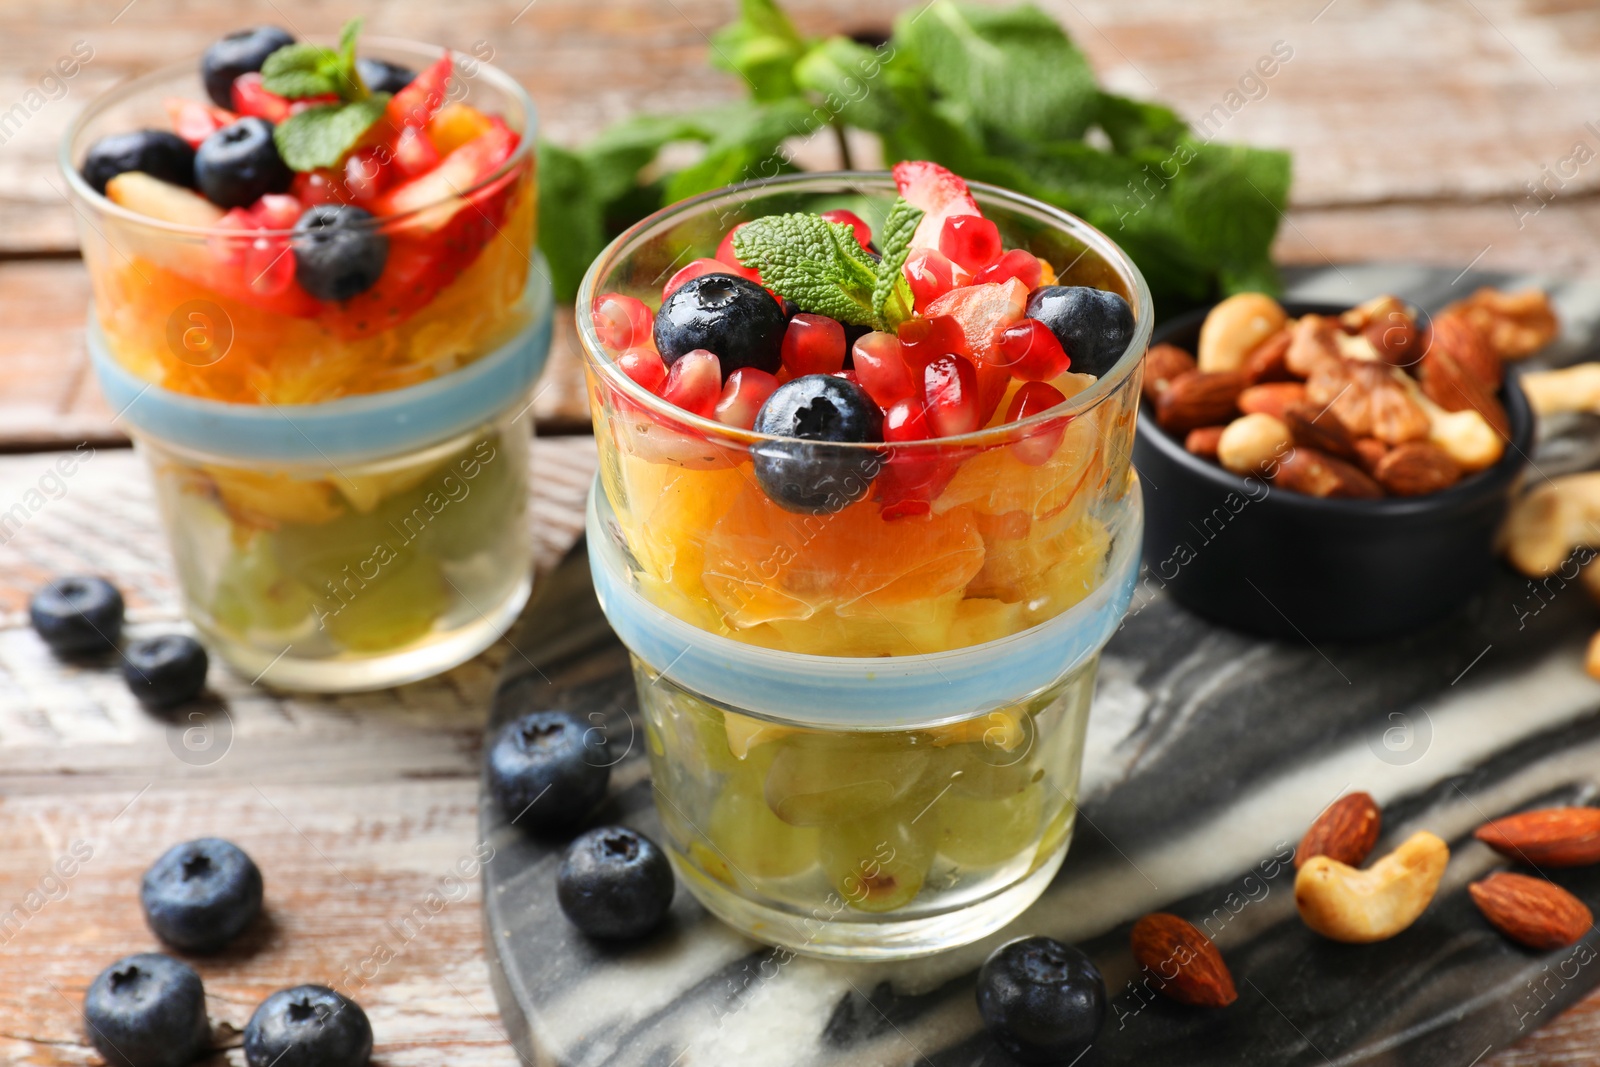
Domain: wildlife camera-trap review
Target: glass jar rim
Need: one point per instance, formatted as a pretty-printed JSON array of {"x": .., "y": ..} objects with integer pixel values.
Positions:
[
  {"x": 859, "y": 182},
  {"x": 130, "y": 87}
]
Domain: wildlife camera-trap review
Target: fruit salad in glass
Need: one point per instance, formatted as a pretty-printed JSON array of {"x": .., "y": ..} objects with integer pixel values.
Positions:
[
  {"x": 865, "y": 518},
  {"x": 317, "y": 309}
]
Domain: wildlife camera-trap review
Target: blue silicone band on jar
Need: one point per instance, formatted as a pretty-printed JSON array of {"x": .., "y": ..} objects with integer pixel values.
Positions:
[
  {"x": 351, "y": 429},
  {"x": 834, "y": 692}
]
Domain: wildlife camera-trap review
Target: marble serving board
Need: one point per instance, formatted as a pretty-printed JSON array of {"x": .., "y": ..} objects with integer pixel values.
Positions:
[{"x": 1209, "y": 752}]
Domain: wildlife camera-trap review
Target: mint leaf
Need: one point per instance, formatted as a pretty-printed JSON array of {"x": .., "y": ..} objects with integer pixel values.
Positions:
[
  {"x": 320, "y": 136},
  {"x": 347, "y": 43},
  {"x": 297, "y": 71},
  {"x": 762, "y": 47},
  {"x": 815, "y": 263},
  {"x": 571, "y": 217},
  {"x": 891, "y": 294}
]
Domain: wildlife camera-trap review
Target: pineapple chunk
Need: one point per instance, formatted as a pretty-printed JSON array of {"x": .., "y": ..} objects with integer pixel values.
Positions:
[{"x": 139, "y": 192}]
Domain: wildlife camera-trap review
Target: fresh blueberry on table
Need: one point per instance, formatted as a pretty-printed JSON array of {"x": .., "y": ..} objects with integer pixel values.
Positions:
[
  {"x": 615, "y": 883},
  {"x": 238, "y": 53},
  {"x": 77, "y": 614},
  {"x": 201, "y": 894},
  {"x": 1044, "y": 1002},
  {"x": 812, "y": 478},
  {"x": 548, "y": 770},
  {"x": 308, "y": 1026},
  {"x": 1093, "y": 325},
  {"x": 238, "y": 164},
  {"x": 147, "y": 1011},
  {"x": 165, "y": 671},
  {"x": 338, "y": 251},
  {"x": 730, "y": 316},
  {"x": 157, "y": 153},
  {"x": 381, "y": 76}
]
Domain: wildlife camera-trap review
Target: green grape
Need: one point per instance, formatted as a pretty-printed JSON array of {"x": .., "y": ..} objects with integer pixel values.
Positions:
[
  {"x": 753, "y": 841},
  {"x": 827, "y": 778},
  {"x": 878, "y": 863},
  {"x": 335, "y": 557},
  {"x": 394, "y": 609},
  {"x": 1055, "y": 833},
  {"x": 480, "y": 510},
  {"x": 253, "y": 592},
  {"x": 986, "y": 773},
  {"x": 982, "y": 833}
]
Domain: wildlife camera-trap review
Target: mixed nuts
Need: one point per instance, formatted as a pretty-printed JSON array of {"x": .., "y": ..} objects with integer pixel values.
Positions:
[{"x": 1364, "y": 405}]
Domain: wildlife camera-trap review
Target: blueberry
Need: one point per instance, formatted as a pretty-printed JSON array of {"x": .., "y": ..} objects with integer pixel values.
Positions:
[
  {"x": 155, "y": 152},
  {"x": 1043, "y": 1001},
  {"x": 77, "y": 614},
  {"x": 338, "y": 251},
  {"x": 308, "y": 1026},
  {"x": 238, "y": 53},
  {"x": 237, "y": 164},
  {"x": 728, "y": 315},
  {"x": 147, "y": 1011},
  {"x": 381, "y": 76},
  {"x": 165, "y": 671},
  {"x": 809, "y": 478},
  {"x": 201, "y": 894},
  {"x": 615, "y": 883},
  {"x": 1093, "y": 325},
  {"x": 548, "y": 770}
]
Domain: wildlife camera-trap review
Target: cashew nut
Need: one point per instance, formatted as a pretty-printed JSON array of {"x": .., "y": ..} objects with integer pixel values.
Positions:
[
  {"x": 1236, "y": 326},
  {"x": 1345, "y": 904},
  {"x": 1575, "y": 388},
  {"x": 1248, "y": 444},
  {"x": 1548, "y": 522}
]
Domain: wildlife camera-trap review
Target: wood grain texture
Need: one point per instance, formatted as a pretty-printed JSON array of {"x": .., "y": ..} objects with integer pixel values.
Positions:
[{"x": 361, "y": 810}]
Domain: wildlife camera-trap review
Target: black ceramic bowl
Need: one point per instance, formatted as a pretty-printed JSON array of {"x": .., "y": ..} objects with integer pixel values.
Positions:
[{"x": 1284, "y": 564}]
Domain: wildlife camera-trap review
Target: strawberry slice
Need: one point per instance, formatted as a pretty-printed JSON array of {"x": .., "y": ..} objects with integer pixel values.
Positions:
[
  {"x": 938, "y": 192},
  {"x": 983, "y": 311},
  {"x": 455, "y": 174},
  {"x": 250, "y": 97},
  {"x": 418, "y": 102},
  {"x": 194, "y": 121}
]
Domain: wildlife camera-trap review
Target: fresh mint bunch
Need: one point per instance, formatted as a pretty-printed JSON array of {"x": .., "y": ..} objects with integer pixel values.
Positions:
[
  {"x": 823, "y": 268},
  {"x": 320, "y": 136}
]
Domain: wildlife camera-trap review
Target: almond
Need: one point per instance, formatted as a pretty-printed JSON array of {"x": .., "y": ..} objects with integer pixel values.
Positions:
[
  {"x": 1306, "y": 470},
  {"x": 1203, "y": 442},
  {"x": 1184, "y": 963},
  {"x": 1162, "y": 364},
  {"x": 1346, "y": 831},
  {"x": 1531, "y": 911},
  {"x": 1272, "y": 398},
  {"x": 1416, "y": 468},
  {"x": 1320, "y": 430},
  {"x": 1268, "y": 361},
  {"x": 1454, "y": 336},
  {"x": 1197, "y": 399},
  {"x": 1552, "y": 837},
  {"x": 1370, "y": 452}
]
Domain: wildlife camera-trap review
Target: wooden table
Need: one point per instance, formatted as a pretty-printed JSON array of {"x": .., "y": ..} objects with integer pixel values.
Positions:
[{"x": 1415, "y": 125}]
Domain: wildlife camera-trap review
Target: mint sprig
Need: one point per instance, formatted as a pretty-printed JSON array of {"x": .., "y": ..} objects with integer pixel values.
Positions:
[
  {"x": 823, "y": 268},
  {"x": 321, "y": 136}
]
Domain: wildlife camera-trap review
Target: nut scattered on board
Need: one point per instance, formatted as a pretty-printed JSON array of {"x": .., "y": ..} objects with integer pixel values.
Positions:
[
  {"x": 1253, "y": 443},
  {"x": 1345, "y": 832},
  {"x": 1314, "y": 473},
  {"x": 1548, "y": 522},
  {"x": 1235, "y": 327},
  {"x": 1197, "y": 399},
  {"x": 1345, "y": 904},
  {"x": 1531, "y": 911},
  {"x": 1185, "y": 964},
  {"x": 1416, "y": 468},
  {"x": 1574, "y": 388},
  {"x": 1550, "y": 837}
]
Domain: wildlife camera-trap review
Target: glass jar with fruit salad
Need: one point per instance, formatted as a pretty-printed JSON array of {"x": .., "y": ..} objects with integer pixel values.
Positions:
[
  {"x": 865, "y": 518},
  {"x": 319, "y": 312}
]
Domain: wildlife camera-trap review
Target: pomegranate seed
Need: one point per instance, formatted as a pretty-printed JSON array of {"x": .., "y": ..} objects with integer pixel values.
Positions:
[
  {"x": 1036, "y": 449},
  {"x": 694, "y": 383},
  {"x": 913, "y": 477},
  {"x": 367, "y": 173},
  {"x": 971, "y": 241},
  {"x": 231, "y": 250},
  {"x": 951, "y": 386},
  {"x": 1023, "y": 266},
  {"x": 742, "y": 397},
  {"x": 931, "y": 275},
  {"x": 694, "y": 270},
  {"x": 622, "y": 322},
  {"x": 644, "y": 366},
  {"x": 1031, "y": 351},
  {"x": 276, "y": 211},
  {"x": 269, "y": 266},
  {"x": 414, "y": 153},
  {"x": 854, "y": 221},
  {"x": 813, "y": 344},
  {"x": 906, "y": 420},
  {"x": 993, "y": 382},
  {"x": 924, "y": 340},
  {"x": 726, "y": 255},
  {"x": 881, "y": 369},
  {"x": 320, "y": 187}
]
